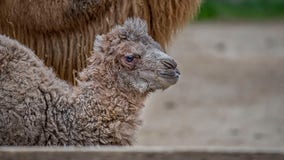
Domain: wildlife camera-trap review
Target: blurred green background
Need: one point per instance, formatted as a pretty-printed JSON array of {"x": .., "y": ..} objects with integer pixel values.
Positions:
[{"x": 241, "y": 10}]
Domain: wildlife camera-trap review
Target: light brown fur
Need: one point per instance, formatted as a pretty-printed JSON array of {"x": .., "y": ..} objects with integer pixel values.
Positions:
[
  {"x": 62, "y": 32},
  {"x": 37, "y": 108}
]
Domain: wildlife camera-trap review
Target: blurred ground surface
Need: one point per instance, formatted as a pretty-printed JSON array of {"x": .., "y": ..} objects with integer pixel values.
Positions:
[{"x": 231, "y": 92}]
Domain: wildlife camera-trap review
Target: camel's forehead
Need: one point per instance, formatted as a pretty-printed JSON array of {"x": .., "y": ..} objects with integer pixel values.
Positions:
[
  {"x": 156, "y": 54},
  {"x": 143, "y": 48}
]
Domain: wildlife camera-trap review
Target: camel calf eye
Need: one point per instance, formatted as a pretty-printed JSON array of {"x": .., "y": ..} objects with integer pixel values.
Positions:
[{"x": 129, "y": 58}]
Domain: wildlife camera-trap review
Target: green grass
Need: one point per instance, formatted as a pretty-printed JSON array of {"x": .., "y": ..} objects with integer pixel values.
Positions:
[{"x": 241, "y": 9}]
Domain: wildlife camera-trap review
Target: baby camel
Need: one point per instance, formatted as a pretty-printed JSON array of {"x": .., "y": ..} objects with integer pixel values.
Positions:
[{"x": 37, "y": 108}]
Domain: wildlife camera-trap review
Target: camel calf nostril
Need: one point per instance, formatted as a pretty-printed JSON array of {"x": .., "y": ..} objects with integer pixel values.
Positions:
[{"x": 169, "y": 63}]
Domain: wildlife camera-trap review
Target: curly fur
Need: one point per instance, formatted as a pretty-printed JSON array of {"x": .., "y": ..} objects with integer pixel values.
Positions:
[
  {"x": 37, "y": 108},
  {"x": 62, "y": 32}
]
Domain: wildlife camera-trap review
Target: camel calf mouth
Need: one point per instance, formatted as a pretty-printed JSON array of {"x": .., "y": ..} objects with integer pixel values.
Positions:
[{"x": 169, "y": 76}]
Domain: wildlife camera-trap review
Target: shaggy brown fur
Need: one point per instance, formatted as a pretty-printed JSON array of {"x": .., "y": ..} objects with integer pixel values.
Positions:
[
  {"x": 36, "y": 108},
  {"x": 62, "y": 32}
]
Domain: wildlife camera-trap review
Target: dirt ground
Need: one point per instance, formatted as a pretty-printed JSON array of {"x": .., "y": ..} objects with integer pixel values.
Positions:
[{"x": 231, "y": 90}]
